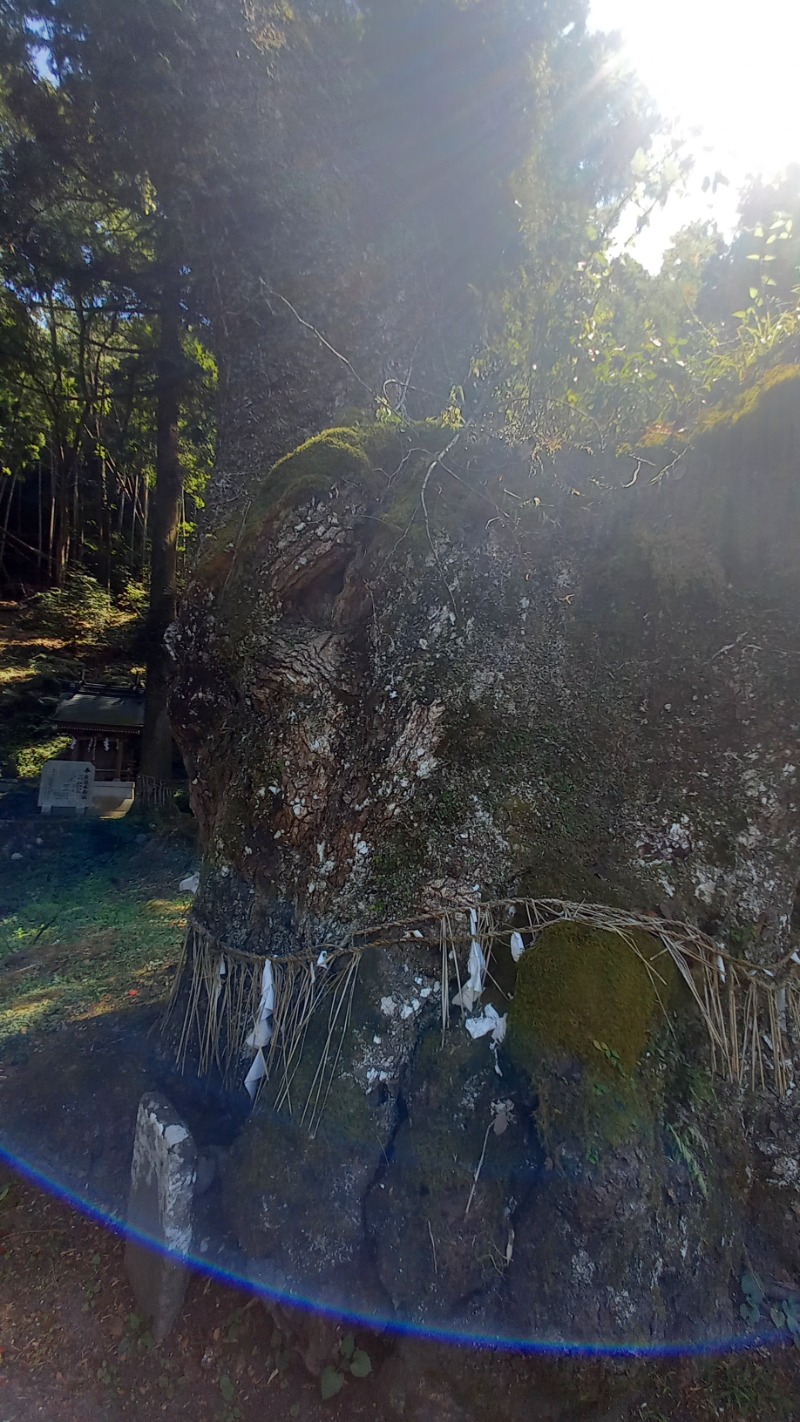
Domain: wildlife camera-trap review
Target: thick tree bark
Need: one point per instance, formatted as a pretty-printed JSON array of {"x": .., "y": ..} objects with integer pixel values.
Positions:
[{"x": 155, "y": 771}]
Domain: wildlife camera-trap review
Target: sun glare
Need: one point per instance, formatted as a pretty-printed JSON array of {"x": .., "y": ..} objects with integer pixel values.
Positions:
[
  {"x": 726, "y": 68},
  {"x": 725, "y": 73}
]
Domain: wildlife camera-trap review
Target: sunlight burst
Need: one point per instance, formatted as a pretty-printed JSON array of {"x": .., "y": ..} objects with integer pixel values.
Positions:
[{"x": 719, "y": 68}]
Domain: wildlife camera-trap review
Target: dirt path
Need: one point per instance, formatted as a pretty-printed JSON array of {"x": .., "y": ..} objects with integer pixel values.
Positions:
[{"x": 73, "y": 1348}]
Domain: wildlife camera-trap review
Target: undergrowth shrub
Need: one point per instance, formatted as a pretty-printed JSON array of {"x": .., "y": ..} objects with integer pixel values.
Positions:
[{"x": 81, "y": 607}]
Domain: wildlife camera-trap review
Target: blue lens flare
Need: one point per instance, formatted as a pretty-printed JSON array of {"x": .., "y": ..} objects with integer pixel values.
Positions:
[{"x": 434, "y": 1333}]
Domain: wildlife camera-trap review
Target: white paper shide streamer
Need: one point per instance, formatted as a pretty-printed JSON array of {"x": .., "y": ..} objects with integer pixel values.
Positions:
[
  {"x": 261, "y": 1035},
  {"x": 490, "y": 1021},
  {"x": 222, "y": 970},
  {"x": 489, "y": 1024},
  {"x": 476, "y": 970}
]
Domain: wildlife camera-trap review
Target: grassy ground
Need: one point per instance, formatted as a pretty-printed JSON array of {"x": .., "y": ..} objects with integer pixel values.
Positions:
[
  {"x": 91, "y": 920},
  {"x": 90, "y": 917}
]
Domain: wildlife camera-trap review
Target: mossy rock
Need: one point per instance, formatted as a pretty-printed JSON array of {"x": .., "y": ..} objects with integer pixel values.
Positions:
[
  {"x": 753, "y": 414},
  {"x": 585, "y": 1009},
  {"x": 366, "y": 459},
  {"x": 737, "y": 503}
]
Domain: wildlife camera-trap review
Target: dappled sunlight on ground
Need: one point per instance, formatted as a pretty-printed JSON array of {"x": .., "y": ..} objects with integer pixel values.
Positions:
[
  {"x": 96, "y": 973},
  {"x": 36, "y": 664},
  {"x": 89, "y": 922},
  {"x": 15, "y": 676}
]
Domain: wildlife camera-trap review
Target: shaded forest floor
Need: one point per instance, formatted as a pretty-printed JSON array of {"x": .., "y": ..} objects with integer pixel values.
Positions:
[{"x": 73, "y": 1348}]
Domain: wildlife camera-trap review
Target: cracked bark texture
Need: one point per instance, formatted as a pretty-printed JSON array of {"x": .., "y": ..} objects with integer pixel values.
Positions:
[{"x": 553, "y": 685}]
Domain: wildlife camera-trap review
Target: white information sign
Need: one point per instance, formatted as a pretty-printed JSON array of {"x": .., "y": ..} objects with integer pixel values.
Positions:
[{"x": 66, "y": 785}]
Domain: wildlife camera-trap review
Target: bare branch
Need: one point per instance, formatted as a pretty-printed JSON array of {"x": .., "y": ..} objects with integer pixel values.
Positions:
[{"x": 322, "y": 340}]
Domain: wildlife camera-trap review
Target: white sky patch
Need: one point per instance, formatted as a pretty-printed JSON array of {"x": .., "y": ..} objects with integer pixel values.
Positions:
[{"x": 725, "y": 72}]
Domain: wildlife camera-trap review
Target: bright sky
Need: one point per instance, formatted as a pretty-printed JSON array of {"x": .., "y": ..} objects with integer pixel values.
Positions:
[{"x": 726, "y": 67}]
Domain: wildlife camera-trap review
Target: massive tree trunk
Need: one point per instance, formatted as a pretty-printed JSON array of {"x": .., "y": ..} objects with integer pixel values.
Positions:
[
  {"x": 155, "y": 771},
  {"x": 413, "y": 684}
]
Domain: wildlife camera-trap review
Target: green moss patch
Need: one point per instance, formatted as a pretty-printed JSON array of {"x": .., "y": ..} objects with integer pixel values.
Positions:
[
  {"x": 735, "y": 500},
  {"x": 378, "y": 460},
  {"x": 579, "y": 987},
  {"x": 386, "y": 463},
  {"x": 773, "y": 398},
  {"x": 584, "y": 1010}
]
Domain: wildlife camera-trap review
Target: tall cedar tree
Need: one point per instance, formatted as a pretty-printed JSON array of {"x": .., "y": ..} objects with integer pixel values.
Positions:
[{"x": 136, "y": 119}]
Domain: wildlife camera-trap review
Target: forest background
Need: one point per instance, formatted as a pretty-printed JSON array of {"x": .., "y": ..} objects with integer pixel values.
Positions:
[{"x": 412, "y": 205}]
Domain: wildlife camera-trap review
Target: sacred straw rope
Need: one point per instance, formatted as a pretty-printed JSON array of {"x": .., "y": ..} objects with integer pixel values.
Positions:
[{"x": 741, "y": 1003}]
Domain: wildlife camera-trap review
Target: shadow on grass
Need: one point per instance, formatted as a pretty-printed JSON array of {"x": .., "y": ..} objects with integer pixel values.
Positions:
[{"x": 90, "y": 922}]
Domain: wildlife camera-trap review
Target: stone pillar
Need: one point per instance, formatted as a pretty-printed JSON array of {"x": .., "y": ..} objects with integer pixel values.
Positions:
[{"x": 160, "y": 1212}]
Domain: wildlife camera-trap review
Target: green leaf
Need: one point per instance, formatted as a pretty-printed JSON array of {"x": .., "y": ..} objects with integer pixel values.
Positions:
[
  {"x": 347, "y": 1347},
  {"x": 331, "y": 1382},
  {"x": 4, "y": 1193},
  {"x": 227, "y": 1388},
  {"x": 753, "y": 292},
  {"x": 361, "y": 1366},
  {"x": 778, "y": 1316}
]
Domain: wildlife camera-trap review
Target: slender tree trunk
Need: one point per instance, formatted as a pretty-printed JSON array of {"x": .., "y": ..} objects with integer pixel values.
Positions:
[
  {"x": 62, "y": 534},
  {"x": 145, "y": 524},
  {"x": 155, "y": 772},
  {"x": 105, "y": 521},
  {"x": 122, "y": 498},
  {"x": 51, "y": 530},
  {"x": 6, "y": 517},
  {"x": 40, "y": 527},
  {"x": 77, "y": 520}
]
